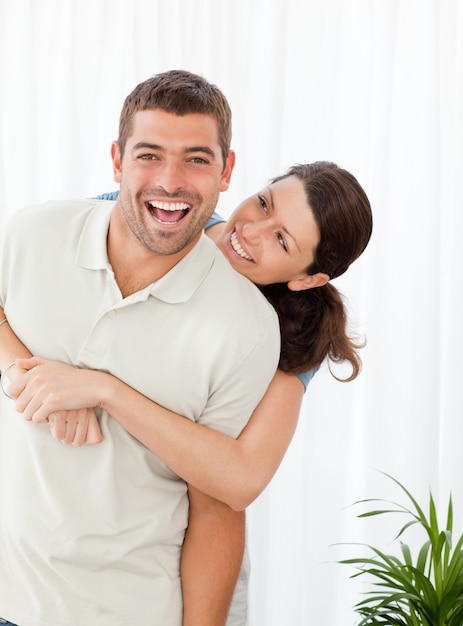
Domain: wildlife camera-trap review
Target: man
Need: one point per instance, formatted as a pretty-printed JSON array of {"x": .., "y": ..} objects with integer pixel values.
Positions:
[{"x": 108, "y": 535}]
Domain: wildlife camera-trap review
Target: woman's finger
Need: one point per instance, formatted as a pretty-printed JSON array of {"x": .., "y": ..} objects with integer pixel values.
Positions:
[
  {"x": 81, "y": 426},
  {"x": 58, "y": 424},
  {"x": 94, "y": 434}
]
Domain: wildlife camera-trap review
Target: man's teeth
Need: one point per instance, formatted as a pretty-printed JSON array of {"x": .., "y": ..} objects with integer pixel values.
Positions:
[
  {"x": 237, "y": 248},
  {"x": 169, "y": 206},
  {"x": 168, "y": 212}
]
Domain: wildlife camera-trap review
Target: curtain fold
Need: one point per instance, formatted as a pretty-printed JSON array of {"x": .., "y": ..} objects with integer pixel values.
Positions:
[{"x": 377, "y": 87}]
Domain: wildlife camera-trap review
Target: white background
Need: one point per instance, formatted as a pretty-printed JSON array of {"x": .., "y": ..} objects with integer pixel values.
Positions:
[{"x": 374, "y": 85}]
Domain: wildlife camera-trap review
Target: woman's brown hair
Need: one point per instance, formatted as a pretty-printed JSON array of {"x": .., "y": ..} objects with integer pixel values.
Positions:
[{"x": 313, "y": 322}]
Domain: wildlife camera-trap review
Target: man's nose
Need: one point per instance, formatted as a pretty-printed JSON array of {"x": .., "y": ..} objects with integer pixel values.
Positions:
[{"x": 170, "y": 176}]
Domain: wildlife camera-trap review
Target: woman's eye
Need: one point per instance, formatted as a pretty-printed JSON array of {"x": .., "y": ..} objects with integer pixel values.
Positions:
[
  {"x": 263, "y": 203},
  {"x": 281, "y": 241}
]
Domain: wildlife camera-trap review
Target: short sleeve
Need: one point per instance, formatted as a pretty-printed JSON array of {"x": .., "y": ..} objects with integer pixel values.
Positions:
[
  {"x": 110, "y": 195},
  {"x": 306, "y": 377},
  {"x": 213, "y": 220}
]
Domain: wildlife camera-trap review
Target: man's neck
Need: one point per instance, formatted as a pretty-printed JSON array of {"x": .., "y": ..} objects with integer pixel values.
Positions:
[{"x": 134, "y": 266}]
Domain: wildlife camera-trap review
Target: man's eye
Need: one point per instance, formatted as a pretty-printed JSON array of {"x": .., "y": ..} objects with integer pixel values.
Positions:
[
  {"x": 263, "y": 203},
  {"x": 147, "y": 157},
  {"x": 199, "y": 160},
  {"x": 281, "y": 241}
]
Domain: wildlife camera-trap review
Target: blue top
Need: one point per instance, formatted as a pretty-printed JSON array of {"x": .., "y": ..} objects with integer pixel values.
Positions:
[
  {"x": 306, "y": 377},
  {"x": 110, "y": 195},
  {"x": 215, "y": 218}
]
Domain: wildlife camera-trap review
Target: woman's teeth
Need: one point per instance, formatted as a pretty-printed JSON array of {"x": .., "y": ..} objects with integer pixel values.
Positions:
[{"x": 237, "y": 248}]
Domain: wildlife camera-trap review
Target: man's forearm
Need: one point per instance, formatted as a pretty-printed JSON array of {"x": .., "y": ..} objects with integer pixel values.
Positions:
[{"x": 211, "y": 560}]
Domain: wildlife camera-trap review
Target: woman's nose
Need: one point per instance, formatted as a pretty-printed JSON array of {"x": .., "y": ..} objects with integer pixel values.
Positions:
[{"x": 252, "y": 231}]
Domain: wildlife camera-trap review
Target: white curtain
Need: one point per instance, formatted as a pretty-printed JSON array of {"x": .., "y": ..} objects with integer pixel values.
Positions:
[{"x": 374, "y": 85}]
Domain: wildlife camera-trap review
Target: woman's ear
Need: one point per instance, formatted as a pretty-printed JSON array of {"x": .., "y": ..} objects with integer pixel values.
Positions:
[{"x": 308, "y": 281}]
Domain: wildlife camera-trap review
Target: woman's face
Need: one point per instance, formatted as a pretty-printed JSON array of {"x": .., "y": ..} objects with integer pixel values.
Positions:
[{"x": 271, "y": 237}]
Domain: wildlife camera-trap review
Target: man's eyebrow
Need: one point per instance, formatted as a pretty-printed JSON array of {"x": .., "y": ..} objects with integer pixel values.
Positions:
[
  {"x": 204, "y": 149},
  {"x": 285, "y": 230},
  {"x": 143, "y": 145}
]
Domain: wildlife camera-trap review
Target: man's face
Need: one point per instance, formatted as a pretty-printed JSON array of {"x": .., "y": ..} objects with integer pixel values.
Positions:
[{"x": 171, "y": 175}]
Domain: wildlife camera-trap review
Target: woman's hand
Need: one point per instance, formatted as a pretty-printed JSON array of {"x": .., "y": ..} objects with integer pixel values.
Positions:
[
  {"x": 12, "y": 379},
  {"x": 54, "y": 392},
  {"x": 77, "y": 427}
]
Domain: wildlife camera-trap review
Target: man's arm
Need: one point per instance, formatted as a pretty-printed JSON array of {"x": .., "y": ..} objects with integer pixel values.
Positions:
[{"x": 211, "y": 560}]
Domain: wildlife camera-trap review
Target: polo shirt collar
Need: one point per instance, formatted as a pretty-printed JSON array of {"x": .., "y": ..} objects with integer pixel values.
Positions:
[
  {"x": 181, "y": 282},
  {"x": 92, "y": 252},
  {"x": 178, "y": 285}
]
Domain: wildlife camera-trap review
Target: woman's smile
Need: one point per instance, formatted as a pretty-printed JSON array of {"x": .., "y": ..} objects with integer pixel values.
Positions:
[{"x": 238, "y": 248}]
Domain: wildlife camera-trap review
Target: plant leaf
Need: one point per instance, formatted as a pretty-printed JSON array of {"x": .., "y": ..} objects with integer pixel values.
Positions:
[{"x": 428, "y": 592}]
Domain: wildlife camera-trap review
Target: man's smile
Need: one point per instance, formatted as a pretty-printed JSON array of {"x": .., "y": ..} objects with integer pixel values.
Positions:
[{"x": 167, "y": 212}]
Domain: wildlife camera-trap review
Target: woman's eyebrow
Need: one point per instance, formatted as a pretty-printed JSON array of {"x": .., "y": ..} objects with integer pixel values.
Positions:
[{"x": 283, "y": 228}]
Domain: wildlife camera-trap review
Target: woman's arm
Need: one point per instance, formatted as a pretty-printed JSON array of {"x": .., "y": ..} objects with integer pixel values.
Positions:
[
  {"x": 11, "y": 347},
  {"x": 77, "y": 427},
  {"x": 211, "y": 558},
  {"x": 232, "y": 471}
]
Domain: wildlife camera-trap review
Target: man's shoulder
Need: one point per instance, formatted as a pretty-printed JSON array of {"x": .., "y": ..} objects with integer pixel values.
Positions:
[
  {"x": 53, "y": 215},
  {"x": 237, "y": 294},
  {"x": 58, "y": 208}
]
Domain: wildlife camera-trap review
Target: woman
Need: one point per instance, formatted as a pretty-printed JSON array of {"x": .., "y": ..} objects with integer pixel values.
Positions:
[{"x": 261, "y": 240}]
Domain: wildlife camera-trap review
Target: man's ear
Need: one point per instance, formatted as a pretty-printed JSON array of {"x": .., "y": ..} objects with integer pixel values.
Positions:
[
  {"x": 227, "y": 171},
  {"x": 116, "y": 158},
  {"x": 308, "y": 281}
]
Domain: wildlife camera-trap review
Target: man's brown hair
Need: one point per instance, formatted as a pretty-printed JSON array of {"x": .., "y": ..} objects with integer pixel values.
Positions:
[{"x": 178, "y": 92}]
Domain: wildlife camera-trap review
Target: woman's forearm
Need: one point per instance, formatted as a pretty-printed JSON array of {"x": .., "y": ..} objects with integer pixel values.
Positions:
[
  {"x": 232, "y": 471},
  {"x": 11, "y": 347}
]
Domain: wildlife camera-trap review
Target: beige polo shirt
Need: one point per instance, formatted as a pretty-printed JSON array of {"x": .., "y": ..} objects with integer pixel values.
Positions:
[{"x": 93, "y": 535}]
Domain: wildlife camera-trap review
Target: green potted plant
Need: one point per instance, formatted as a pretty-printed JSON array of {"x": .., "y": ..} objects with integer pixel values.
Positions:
[{"x": 407, "y": 591}]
